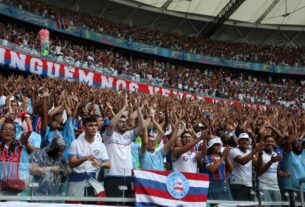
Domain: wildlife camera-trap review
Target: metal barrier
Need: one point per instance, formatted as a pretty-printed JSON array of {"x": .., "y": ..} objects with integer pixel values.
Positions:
[
  {"x": 132, "y": 200},
  {"x": 301, "y": 181}
]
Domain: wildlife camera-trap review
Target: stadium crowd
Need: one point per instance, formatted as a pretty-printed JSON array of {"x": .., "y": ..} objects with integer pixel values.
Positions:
[
  {"x": 59, "y": 137},
  {"x": 278, "y": 55},
  {"x": 203, "y": 80},
  {"x": 67, "y": 137}
]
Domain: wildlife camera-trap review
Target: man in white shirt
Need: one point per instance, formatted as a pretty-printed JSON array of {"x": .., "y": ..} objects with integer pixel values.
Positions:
[
  {"x": 241, "y": 177},
  {"x": 87, "y": 155},
  {"x": 185, "y": 158},
  {"x": 118, "y": 143},
  {"x": 268, "y": 170}
]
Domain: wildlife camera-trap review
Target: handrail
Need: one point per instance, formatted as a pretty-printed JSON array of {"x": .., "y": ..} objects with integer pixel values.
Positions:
[
  {"x": 301, "y": 182},
  {"x": 130, "y": 200}
]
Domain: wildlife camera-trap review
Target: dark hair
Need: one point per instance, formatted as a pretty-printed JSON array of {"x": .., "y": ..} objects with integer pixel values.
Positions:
[
  {"x": 12, "y": 147},
  {"x": 185, "y": 132},
  {"x": 5, "y": 123},
  {"x": 231, "y": 142},
  {"x": 239, "y": 130},
  {"x": 210, "y": 150},
  {"x": 89, "y": 119},
  {"x": 267, "y": 136},
  {"x": 55, "y": 116}
]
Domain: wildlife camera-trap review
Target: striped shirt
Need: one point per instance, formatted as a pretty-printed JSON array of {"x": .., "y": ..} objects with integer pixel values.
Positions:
[{"x": 220, "y": 173}]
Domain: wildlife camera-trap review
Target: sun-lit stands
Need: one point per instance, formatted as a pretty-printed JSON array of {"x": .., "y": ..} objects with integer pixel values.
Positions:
[
  {"x": 293, "y": 56},
  {"x": 204, "y": 81}
]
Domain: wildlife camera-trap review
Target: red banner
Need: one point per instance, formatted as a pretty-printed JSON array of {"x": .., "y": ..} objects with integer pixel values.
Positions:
[{"x": 23, "y": 62}]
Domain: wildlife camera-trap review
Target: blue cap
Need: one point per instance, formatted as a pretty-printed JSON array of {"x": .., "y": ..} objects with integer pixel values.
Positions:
[{"x": 106, "y": 122}]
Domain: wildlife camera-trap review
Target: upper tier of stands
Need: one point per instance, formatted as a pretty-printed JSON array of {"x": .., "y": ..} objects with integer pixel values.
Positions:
[
  {"x": 293, "y": 56},
  {"x": 203, "y": 80}
]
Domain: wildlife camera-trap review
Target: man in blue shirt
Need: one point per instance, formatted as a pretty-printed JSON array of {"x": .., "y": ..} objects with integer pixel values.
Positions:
[
  {"x": 151, "y": 159},
  {"x": 294, "y": 163}
]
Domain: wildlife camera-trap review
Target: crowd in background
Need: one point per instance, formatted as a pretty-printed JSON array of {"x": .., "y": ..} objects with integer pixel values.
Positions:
[
  {"x": 203, "y": 80},
  {"x": 278, "y": 55},
  {"x": 60, "y": 137},
  {"x": 64, "y": 133}
]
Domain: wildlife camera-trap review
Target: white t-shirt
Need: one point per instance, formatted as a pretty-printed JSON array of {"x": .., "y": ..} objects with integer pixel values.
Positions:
[
  {"x": 187, "y": 162},
  {"x": 241, "y": 174},
  {"x": 2, "y": 100},
  {"x": 82, "y": 148},
  {"x": 119, "y": 151},
  {"x": 268, "y": 180}
]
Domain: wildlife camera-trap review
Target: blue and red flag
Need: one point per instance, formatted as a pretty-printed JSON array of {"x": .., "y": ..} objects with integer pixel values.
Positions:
[
  {"x": 163, "y": 188},
  {"x": 62, "y": 23}
]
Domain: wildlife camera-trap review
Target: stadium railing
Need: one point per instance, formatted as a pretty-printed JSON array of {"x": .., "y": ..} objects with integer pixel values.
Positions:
[{"x": 19, "y": 182}]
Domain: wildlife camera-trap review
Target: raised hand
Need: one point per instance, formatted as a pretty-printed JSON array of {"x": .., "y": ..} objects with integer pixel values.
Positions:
[
  {"x": 226, "y": 152},
  {"x": 259, "y": 147}
]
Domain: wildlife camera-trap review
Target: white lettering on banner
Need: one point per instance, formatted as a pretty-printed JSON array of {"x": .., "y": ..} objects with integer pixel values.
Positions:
[
  {"x": 17, "y": 61},
  {"x": 120, "y": 84},
  {"x": 50, "y": 72},
  {"x": 86, "y": 78},
  {"x": 36, "y": 66},
  {"x": 180, "y": 94},
  {"x": 156, "y": 90},
  {"x": 191, "y": 96},
  {"x": 107, "y": 82},
  {"x": 69, "y": 72},
  {"x": 199, "y": 98},
  {"x": 165, "y": 92},
  {"x": 133, "y": 87},
  {"x": 2, "y": 56},
  {"x": 151, "y": 90}
]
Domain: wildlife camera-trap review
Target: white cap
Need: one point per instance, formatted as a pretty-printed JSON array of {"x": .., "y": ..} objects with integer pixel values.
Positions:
[
  {"x": 215, "y": 140},
  {"x": 243, "y": 136}
]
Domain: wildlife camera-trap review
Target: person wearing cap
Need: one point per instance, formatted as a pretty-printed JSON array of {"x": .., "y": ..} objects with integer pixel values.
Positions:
[
  {"x": 49, "y": 168},
  {"x": 294, "y": 163},
  {"x": 218, "y": 165},
  {"x": 103, "y": 128},
  {"x": 241, "y": 177},
  {"x": 151, "y": 159}
]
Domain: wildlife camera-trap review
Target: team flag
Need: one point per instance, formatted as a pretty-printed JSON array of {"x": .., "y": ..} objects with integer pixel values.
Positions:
[
  {"x": 62, "y": 23},
  {"x": 163, "y": 188}
]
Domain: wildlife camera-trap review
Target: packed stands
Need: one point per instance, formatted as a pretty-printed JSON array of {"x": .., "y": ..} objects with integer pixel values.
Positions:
[
  {"x": 293, "y": 56},
  {"x": 205, "y": 81},
  {"x": 75, "y": 140}
]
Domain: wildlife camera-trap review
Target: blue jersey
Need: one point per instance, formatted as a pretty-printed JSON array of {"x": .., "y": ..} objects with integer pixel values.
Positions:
[
  {"x": 152, "y": 161},
  {"x": 220, "y": 173},
  {"x": 35, "y": 141},
  {"x": 67, "y": 133},
  {"x": 295, "y": 164},
  {"x": 279, "y": 151},
  {"x": 135, "y": 147}
]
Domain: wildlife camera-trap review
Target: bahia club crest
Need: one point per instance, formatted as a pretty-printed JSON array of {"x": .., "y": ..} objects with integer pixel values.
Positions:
[{"x": 177, "y": 185}]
